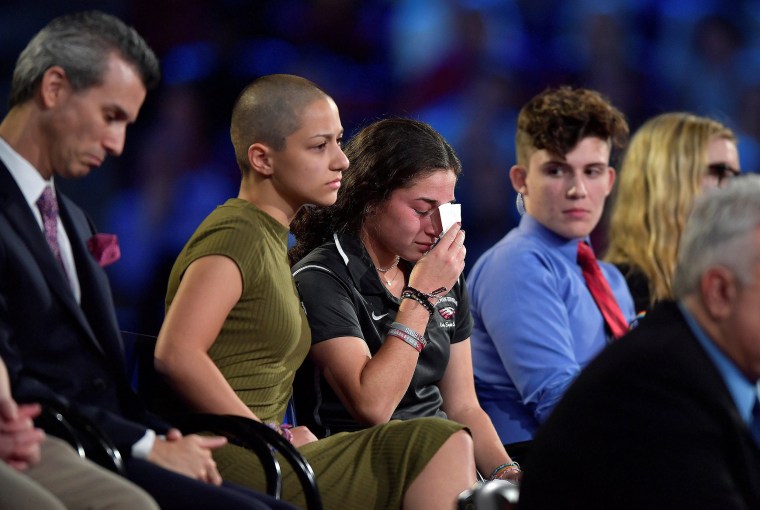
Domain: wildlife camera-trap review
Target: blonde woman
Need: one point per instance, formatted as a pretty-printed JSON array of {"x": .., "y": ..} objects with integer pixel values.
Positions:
[{"x": 671, "y": 159}]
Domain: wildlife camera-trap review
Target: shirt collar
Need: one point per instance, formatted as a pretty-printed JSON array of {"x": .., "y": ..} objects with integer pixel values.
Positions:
[
  {"x": 568, "y": 248},
  {"x": 26, "y": 176},
  {"x": 742, "y": 390},
  {"x": 359, "y": 264}
]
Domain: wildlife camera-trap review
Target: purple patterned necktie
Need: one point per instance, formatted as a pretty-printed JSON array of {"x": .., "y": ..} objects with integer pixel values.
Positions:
[{"x": 48, "y": 206}]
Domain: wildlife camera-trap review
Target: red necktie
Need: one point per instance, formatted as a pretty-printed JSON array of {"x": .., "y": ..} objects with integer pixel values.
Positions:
[{"x": 600, "y": 290}]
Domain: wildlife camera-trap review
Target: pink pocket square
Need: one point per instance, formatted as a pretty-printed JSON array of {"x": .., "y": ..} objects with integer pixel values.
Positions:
[{"x": 104, "y": 248}]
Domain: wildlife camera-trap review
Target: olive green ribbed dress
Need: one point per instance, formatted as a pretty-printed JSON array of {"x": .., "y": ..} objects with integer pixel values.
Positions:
[{"x": 263, "y": 341}]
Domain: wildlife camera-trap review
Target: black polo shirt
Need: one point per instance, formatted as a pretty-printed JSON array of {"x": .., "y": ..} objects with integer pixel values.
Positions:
[{"x": 343, "y": 296}]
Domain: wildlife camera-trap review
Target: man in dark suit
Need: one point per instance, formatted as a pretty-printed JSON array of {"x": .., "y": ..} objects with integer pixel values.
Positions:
[
  {"x": 45, "y": 473},
  {"x": 76, "y": 87},
  {"x": 664, "y": 418}
]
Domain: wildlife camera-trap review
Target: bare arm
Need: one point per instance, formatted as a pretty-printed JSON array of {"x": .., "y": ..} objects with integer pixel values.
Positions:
[
  {"x": 371, "y": 387},
  {"x": 208, "y": 291},
  {"x": 461, "y": 405},
  {"x": 210, "y": 288}
]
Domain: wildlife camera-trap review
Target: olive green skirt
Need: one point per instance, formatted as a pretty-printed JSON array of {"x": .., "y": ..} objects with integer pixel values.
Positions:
[{"x": 369, "y": 469}]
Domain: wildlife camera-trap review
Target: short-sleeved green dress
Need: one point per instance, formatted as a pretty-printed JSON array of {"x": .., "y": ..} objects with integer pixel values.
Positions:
[{"x": 263, "y": 341}]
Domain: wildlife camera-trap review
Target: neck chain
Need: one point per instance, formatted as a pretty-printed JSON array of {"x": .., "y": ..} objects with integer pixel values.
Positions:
[
  {"x": 388, "y": 283},
  {"x": 386, "y": 269},
  {"x": 383, "y": 270}
]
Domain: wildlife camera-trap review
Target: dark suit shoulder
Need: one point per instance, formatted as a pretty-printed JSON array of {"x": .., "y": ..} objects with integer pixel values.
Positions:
[
  {"x": 661, "y": 352},
  {"x": 652, "y": 396}
]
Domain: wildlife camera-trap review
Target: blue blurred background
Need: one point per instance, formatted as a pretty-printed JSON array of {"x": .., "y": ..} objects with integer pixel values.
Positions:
[{"x": 464, "y": 66}]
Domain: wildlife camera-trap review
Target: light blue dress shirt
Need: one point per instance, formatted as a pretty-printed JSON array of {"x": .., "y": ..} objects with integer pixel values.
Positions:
[{"x": 536, "y": 325}]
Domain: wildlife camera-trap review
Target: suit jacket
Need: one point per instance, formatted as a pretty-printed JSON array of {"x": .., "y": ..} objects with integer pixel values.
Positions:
[
  {"x": 648, "y": 424},
  {"x": 55, "y": 349}
]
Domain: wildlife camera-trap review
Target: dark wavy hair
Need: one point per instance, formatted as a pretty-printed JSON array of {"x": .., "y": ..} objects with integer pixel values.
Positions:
[
  {"x": 557, "y": 119},
  {"x": 386, "y": 155}
]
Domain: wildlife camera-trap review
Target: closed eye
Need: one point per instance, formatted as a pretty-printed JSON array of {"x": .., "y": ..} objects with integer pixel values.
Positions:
[{"x": 111, "y": 115}]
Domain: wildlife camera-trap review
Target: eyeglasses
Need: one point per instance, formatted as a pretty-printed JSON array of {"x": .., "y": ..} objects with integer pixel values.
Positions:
[{"x": 722, "y": 171}]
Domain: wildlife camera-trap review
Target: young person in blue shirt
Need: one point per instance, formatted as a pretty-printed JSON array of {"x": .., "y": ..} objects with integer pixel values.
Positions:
[
  {"x": 681, "y": 386},
  {"x": 536, "y": 324}
]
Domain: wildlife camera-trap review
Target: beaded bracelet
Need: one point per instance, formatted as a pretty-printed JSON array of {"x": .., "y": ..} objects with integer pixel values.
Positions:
[
  {"x": 406, "y": 338},
  {"x": 504, "y": 468},
  {"x": 283, "y": 430},
  {"x": 409, "y": 331},
  {"x": 420, "y": 297}
]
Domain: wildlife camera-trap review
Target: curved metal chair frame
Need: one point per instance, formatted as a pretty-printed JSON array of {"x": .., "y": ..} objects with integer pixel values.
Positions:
[
  {"x": 264, "y": 442},
  {"x": 78, "y": 431},
  {"x": 250, "y": 434}
]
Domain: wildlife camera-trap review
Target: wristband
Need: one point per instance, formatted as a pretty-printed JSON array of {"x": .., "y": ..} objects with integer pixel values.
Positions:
[
  {"x": 283, "y": 430},
  {"x": 409, "y": 331},
  {"x": 435, "y": 293},
  {"x": 497, "y": 473},
  {"x": 420, "y": 297},
  {"x": 416, "y": 344}
]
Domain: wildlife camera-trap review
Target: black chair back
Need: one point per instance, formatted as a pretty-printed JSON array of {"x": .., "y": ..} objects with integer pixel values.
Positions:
[{"x": 250, "y": 434}]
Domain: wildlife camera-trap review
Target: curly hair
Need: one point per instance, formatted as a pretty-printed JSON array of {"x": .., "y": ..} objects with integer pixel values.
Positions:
[
  {"x": 659, "y": 179},
  {"x": 386, "y": 155},
  {"x": 557, "y": 119}
]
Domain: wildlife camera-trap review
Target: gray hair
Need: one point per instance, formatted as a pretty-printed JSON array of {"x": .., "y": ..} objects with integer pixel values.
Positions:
[
  {"x": 719, "y": 232},
  {"x": 81, "y": 44}
]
